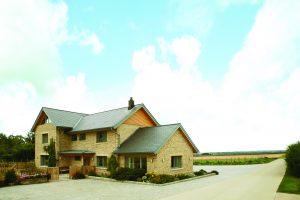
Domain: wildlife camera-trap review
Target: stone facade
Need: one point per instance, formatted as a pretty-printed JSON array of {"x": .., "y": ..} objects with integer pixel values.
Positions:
[{"x": 160, "y": 163}]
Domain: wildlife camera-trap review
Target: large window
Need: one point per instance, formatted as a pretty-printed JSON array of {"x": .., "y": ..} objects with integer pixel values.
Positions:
[
  {"x": 136, "y": 162},
  {"x": 44, "y": 160},
  {"x": 82, "y": 136},
  {"x": 101, "y": 136},
  {"x": 77, "y": 158},
  {"x": 74, "y": 137},
  {"x": 101, "y": 161},
  {"x": 176, "y": 161},
  {"x": 45, "y": 138}
]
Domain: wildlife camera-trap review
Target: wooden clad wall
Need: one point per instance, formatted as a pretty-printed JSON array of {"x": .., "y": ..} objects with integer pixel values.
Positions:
[{"x": 140, "y": 118}]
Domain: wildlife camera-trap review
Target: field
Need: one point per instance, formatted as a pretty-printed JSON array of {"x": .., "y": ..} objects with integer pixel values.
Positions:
[{"x": 236, "y": 159}]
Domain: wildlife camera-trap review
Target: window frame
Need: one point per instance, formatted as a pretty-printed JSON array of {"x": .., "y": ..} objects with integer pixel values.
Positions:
[
  {"x": 136, "y": 162},
  {"x": 82, "y": 136},
  {"x": 103, "y": 160},
  {"x": 77, "y": 158},
  {"x": 74, "y": 136},
  {"x": 43, "y": 139},
  {"x": 44, "y": 160},
  {"x": 176, "y": 162},
  {"x": 100, "y": 138}
]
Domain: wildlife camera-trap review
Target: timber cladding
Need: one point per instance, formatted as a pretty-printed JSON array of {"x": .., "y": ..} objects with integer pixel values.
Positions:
[{"x": 140, "y": 118}]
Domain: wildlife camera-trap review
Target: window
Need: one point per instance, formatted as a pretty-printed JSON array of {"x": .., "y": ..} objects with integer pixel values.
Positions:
[
  {"x": 101, "y": 136},
  {"x": 176, "y": 161},
  {"x": 101, "y": 161},
  {"x": 82, "y": 136},
  {"x": 77, "y": 158},
  {"x": 74, "y": 137},
  {"x": 45, "y": 138},
  {"x": 136, "y": 162},
  {"x": 44, "y": 160}
]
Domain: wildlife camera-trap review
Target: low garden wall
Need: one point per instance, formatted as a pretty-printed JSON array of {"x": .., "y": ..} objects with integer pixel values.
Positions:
[{"x": 53, "y": 171}]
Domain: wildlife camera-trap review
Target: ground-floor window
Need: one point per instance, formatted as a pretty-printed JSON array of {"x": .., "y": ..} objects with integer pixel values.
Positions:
[
  {"x": 136, "y": 162},
  {"x": 101, "y": 161},
  {"x": 176, "y": 161},
  {"x": 44, "y": 160},
  {"x": 77, "y": 158}
]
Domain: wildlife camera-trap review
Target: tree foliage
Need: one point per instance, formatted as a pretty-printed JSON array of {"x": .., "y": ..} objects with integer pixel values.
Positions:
[
  {"x": 112, "y": 164},
  {"x": 293, "y": 159},
  {"x": 50, "y": 149},
  {"x": 16, "y": 147}
]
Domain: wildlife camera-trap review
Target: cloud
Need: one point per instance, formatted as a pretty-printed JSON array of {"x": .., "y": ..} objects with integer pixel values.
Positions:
[
  {"x": 258, "y": 104},
  {"x": 93, "y": 40}
]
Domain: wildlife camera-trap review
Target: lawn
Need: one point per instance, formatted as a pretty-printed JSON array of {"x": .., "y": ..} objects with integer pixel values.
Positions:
[
  {"x": 242, "y": 161},
  {"x": 289, "y": 184}
]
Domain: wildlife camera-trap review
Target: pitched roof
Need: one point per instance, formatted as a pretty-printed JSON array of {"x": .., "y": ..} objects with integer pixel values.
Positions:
[
  {"x": 79, "y": 122},
  {"x": 151, "y": 139}
]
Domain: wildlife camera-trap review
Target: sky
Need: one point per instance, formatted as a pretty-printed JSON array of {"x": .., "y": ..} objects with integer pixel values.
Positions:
[{"x": 228, "y": 70}]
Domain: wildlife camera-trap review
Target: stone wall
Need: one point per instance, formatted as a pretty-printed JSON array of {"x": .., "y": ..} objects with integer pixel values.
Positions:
[
  {"x": 176, "y": 146},
  {"x": 39, "y": 146},
  {"x": 126, "y": 130}
]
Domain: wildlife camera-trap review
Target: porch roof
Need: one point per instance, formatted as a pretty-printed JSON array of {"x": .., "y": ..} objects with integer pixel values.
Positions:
[{"x": 78, "y": 152}]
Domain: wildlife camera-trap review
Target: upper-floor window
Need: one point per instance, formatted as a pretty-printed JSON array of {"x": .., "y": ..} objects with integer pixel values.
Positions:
[
  {"x": 46, "y": 120},
  {"x": 45, "y": 138},
  {"x": 74, "y": 137},
  {"x": 101, "y": 136},
  {"x": 82, "y": 136},
  {"x": 176, "y": 161}
]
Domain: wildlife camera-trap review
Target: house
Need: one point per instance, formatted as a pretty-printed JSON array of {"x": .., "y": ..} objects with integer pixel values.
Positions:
[{"x": 130, "y": 133}]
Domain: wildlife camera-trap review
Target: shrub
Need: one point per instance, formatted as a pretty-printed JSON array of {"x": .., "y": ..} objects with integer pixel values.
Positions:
[
  {"x": 293, "y": 159},
  {"x": 128, "y": 174},
  {"x": 214, "y": 172},
  {"x": 201, "y": 172},
  {"x": 112, "y": 164},
  {"x": 163, "y": 178},
  {"x": 183, "y": 176},
  {"x": 78, "y": 175},
  {"x": 10, "y": 176},
  {"x": 92, "y": 173}
]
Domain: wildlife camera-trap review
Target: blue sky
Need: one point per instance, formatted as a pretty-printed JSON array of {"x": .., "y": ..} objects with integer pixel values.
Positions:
[{"x": 228, "y": 70}]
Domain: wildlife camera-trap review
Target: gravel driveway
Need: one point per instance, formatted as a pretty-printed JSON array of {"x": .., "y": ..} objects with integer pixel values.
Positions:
[{"x": 98, "y": 189}]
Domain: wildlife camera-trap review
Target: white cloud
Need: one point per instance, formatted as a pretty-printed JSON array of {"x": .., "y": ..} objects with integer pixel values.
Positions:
[
  {"x": 30, "y": 62},
  {"x": 93, "y": 41},
  {"x": 257, "y": 106}
]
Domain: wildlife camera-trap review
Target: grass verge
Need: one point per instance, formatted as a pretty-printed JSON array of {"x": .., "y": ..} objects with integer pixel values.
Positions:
[
  {"x": 243, "y": 161},
  {"x": 289, "y": 184}
]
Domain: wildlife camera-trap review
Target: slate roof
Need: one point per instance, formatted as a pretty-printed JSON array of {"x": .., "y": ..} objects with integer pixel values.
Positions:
[
  {"x": 79, "y": 122},
  {"x": 150, "y": 140}
]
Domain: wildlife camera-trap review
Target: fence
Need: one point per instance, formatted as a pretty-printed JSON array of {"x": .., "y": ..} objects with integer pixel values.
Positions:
[{"x": 17, "y": 166}]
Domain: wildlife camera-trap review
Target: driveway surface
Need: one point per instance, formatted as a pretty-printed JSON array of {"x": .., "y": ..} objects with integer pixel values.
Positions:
[{"x": 258, "y": 182}]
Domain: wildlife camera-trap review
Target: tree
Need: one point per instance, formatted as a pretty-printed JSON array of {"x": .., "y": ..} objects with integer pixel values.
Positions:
[
  {"x": 293, "y": 159},
  {"x": 50, "y": 149},
  {"x": 112, "y": 164}
]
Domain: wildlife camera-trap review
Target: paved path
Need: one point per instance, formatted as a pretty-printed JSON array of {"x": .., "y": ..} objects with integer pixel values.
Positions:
[
  {"x": 237, "y": 182},
  {"x": 284, "y": 196},
  {"x": 260, "y": 184}
]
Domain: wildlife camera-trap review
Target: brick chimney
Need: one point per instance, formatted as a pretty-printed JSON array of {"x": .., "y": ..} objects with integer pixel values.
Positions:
[{"x": 130, "y": 103}]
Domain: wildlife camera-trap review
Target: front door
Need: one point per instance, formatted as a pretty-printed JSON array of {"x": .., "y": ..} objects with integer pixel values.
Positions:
[{"x": 86, "y": 161}]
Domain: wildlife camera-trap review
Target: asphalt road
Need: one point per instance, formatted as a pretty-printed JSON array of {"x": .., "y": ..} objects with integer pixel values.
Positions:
[
  {"x": 255, "y": 182},
  {"x": 260, "y": 184}
]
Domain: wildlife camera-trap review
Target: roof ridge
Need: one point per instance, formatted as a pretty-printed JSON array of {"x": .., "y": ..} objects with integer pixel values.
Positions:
[
  {"x": 163, "y": 125},
  {"x": 64, "y": 110},
  {"x": 113, "y": 109}
]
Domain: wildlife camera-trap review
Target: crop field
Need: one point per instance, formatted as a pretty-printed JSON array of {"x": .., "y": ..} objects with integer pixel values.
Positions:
[{"x": 231, "y": 157}]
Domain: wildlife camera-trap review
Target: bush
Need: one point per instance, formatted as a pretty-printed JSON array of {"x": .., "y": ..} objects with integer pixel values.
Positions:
[
  {"x": 92, "y": 173},
  {"x": 112, "y": 164},
  {"x": 10, "y": 176},
  {"x": 183, "y": 176},
  {"x": 78, "y": 175},
  {"x": 201, "y": 172},
  {"x": 214, "y": 172},
  {"x": 128, "y": 174},
  {"x": 293, "y": 159}
]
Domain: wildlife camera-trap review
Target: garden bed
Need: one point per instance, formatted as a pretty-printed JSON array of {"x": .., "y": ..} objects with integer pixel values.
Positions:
[
  {"x": 150, "y": 178},
  {"x": 33, "y": 181}
]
